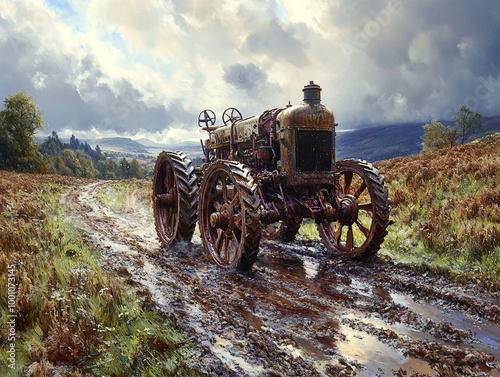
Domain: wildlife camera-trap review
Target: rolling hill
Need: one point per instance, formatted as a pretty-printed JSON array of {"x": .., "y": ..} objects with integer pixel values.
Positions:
[{"x": 373, "y": 143}]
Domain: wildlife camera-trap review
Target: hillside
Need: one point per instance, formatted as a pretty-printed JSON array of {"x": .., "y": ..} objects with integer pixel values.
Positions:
[{"x": 446, "y": 207}]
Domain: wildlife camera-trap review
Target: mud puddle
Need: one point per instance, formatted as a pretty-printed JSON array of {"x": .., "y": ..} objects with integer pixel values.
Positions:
[{"x": 299, "y": 312}]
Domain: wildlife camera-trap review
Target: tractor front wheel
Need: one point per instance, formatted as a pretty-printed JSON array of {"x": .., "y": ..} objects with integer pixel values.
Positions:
[{"x": 363, "y": 210}]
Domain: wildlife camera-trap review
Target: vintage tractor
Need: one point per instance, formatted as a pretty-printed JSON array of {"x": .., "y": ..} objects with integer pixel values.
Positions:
[{"x": 261, "y": 177}]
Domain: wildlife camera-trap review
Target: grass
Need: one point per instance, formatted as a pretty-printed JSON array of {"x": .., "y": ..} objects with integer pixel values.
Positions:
[
  {"x": 446, "y": 207},
  {"x": 72, "y": 316}
]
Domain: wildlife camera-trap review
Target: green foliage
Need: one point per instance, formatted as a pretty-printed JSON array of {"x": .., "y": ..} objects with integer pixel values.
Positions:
[
  {"x": 52, "y": 146},
  {"x": 128, "y": 170},
  {"x": 438, "y": 136},
  {"x": 18, "y": 123},
  {"x": 80, "y": 160},
  {"x": 18, "y": 150},
  {"x": 79, "y": 164},
  {"x": 467, "y": 122},
  {"x": 107, "y": 168}
]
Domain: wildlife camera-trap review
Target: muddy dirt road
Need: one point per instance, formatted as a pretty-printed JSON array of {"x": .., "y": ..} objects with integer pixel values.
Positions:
[{"x": 299, "y": 312}]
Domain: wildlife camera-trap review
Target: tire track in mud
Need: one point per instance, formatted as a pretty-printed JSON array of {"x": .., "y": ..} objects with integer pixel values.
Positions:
[{"x": 299, "y": 312}]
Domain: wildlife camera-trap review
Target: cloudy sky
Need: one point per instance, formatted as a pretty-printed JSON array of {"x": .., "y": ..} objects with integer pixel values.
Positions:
[{"x": 146, "y": 68}]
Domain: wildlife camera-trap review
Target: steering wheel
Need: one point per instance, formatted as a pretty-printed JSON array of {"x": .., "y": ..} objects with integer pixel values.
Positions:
[
  {"x": 206, "y": 118},
  {"x": 231, "y": 114}
]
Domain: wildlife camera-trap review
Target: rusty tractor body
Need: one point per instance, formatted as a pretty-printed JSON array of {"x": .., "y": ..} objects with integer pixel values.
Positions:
[{"x": 261, "y": 178}]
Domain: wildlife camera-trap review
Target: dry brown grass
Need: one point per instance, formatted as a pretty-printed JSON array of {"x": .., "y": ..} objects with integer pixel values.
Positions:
[{"x": 448, "y": 201}]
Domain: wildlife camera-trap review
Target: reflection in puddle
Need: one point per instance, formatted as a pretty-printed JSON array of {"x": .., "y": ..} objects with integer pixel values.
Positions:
[
  {"x": 311, "y": 267},
  {"x": 375, "y": 356},
  {"x": 487, "y": 332}
]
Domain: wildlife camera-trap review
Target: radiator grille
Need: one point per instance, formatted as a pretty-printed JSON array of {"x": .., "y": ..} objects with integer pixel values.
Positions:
[{"x": 313, "y": 150}]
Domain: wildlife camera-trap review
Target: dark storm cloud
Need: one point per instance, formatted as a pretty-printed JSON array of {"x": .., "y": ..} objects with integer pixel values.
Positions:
[
  {"x": 427, "y": 56},
  {"x": 245, "y": 77}
]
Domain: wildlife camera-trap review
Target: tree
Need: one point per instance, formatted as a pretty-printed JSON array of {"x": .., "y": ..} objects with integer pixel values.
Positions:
[
  {"x": 98, "y": 155},
  {"x": 52, "y": 146},
  {"x": 73, "y": 142},
  {"x": 438, "y": 136},
  {"x": 467, "y": 122},
  {"x": 135, "y": 170},
  {"x": 123, "y": 170},
  {"x": 18, "y": 124},
  {"x": 77, "y": 164},
  {"x": 108, "y": 169}
]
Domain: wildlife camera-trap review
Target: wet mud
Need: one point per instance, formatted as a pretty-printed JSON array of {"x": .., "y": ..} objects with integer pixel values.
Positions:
[{"x": 300, "y": 311}]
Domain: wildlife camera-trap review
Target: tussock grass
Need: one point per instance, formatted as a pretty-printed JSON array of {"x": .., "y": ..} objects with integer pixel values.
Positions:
[
  {"x": 446, "y": 207},
  {"x": 72, "y": 316}
]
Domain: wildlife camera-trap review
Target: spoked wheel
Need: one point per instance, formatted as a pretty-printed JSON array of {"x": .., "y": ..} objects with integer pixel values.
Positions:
[
  {"x": 175, "y": 199},
  {"x": 229, "y": 218},
  {"x": 285, "y": 230},
  {"x": 363, "y": 215}
]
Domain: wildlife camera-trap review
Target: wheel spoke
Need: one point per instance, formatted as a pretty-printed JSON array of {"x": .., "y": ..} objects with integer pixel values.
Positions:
[
  {"x": 232, "y": 247},
  {"x": 367, "y": 207},
  {"x": 237, "y": 221},
  {"x": 347, "y": 182},
  {"x": 350, "y": 239},
  {"x": 218, "y": 244},
  {"x": 363, "y": 229},
  {"x": 217, "y": 206},
  {"x": 360, "y": 190},
  {"x": 224, "y": 190},
  {"x": 235, "y": 200}
]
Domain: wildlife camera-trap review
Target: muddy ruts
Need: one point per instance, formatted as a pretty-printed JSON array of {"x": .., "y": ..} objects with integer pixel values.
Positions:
[
  {"x": 229, "y": 214},
  {"x": 175, "y": 199}
]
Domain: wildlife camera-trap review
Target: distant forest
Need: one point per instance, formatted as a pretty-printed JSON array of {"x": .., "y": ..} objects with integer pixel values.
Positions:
[{"x": 80, "y": 159}]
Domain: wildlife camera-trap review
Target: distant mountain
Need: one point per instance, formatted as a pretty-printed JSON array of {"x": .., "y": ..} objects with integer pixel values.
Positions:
[
  {"x": 380, "y": 142},
  {"x": 150, "y": 144},
  {"x": 388, "y": 141},
  {"x": 188, "y": 145},
  {"x": 119, "y": 144}
]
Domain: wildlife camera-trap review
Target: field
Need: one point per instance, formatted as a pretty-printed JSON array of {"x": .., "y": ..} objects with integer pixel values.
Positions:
[{"x": 90, "y": 292}]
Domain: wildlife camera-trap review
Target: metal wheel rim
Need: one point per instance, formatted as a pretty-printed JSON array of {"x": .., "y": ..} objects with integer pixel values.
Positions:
[
  {"x": 354, "y": 229},
  {"x": 167, "y": 217},
  {"x": 225, "y": 245}
]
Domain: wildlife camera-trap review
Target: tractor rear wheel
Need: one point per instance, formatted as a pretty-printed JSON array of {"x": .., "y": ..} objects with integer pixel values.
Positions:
[
  {"x": 175, "y": 199},
  {"x": 363, "y": 216},
  {"x": 229, "y": 214}
]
